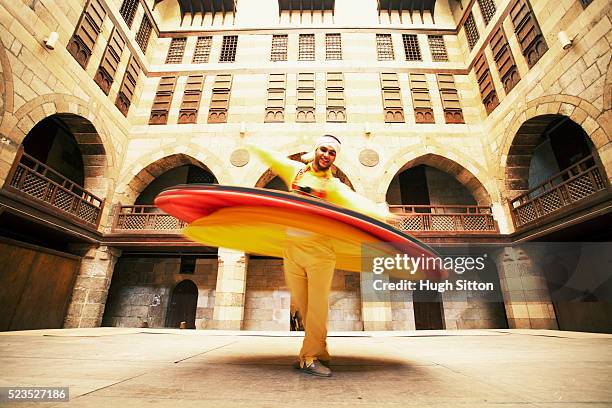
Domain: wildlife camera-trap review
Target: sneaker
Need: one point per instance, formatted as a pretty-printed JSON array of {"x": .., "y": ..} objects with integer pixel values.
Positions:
[
  {"x": 316, "y": 368},
  {"x": 296, "y": 364}
]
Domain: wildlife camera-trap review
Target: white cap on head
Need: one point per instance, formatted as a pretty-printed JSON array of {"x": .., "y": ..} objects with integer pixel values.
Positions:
[
  {"x": 325, "y": 140},
  {"x": 328, "y": 140}
]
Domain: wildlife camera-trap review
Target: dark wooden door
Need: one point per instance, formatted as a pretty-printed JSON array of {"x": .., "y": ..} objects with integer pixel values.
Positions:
[
  {"x": 183, "y": 304},
  {"x": 35, "y": 286},
  {"x": 428, "y": 313}
]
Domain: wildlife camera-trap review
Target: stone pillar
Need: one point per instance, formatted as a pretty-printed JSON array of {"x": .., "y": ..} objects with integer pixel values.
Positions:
[
  {"x": 525, "y": 292},
  {"x": 230, "y": 292},
  {"x": 375, "y": 305},
  {"x": 90, "y": 292}
]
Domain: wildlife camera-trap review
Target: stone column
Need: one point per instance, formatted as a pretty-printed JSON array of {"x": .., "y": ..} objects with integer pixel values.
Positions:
[
  {"x": 525, "y": 292},
  {"x": 90, "y": 292},
  {"x": 376, "y": 310},
  {"x": 230, "y": 292}
]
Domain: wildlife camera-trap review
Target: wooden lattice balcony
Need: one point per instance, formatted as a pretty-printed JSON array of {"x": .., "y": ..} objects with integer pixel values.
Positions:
[
  {"x": 35, "y": 182},
  {"x": 566, "y": 188},
  {"x": 444, "y": 218},
  {"x": 145, "y": 218}
]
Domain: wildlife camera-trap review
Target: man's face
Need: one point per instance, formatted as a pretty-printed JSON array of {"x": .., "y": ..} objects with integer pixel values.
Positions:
[{"x": 324, "y": 157}]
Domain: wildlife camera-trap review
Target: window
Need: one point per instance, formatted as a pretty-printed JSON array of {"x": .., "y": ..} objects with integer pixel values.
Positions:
[
  {"x": 228, "y": 48},
  {"x": 110, "y": 61},
  {"x": 128, "y": 11},
  {"x": 188, "y": 264},
  {"x": 86, "y": 33},
  {"x": 176, "y": 51},
  {"x": 384, "y": 47},
  {"x": 126, "y": 91},
  {"x": 279, "y": 48},
  {"x": 488, "y": 93},
  {"x": 336, "y": 111},
  {"x": 487, "y": 9},
  {"x": 202, "y": 50},
  {"x": 392, "y": 100},
  {"x": 528, "y": 32},
  {"x": 450, "y": 99},
  {"x": 162, "y": 101},
  {"x": 437, "y": 47},
  {"x": 470, "y": 31},
  {"x": 219, "y": 103},
  {"x": 423, "y": 112},
  {"x": 306, "y": 50},
  {"x": 411, "y": 47},
  {"x": 305, "y": 97},
  {"x": 503, "y": 58},
  {"x": 275, "y": 106},
  {"x": 143, "y": 34},
  {"x": 333, "y": 47},
  {"x": 191, "y": 99}
]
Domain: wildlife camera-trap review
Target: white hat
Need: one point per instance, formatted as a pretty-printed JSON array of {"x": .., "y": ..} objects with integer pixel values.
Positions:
[{"x": 325, "y": 140}]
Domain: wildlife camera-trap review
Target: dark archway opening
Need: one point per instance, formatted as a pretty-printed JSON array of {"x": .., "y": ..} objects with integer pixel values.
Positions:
[{"x": 182, "y": 306}]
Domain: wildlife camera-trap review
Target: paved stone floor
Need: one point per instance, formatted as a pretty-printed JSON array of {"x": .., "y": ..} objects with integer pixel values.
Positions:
[{"x": 114, "y": 367}]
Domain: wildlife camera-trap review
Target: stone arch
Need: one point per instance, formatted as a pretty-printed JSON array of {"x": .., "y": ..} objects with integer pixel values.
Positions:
[
  {"x": 90, "y": 133},
  {"x": 468, "y": 174},
  {"x": 6, "y": 84},
  {"x": 549, "y": 107},
  {"x": 268, "y": 175},
  {"x": 130, "y": 189}
]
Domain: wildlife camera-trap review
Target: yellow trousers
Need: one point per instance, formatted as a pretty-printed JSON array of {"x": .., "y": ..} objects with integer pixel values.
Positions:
[{"x": 309, "y": 265}]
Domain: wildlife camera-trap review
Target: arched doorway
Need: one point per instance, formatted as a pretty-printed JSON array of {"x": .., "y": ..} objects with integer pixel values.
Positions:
[
  {"x": 552, "y": 167},
  {"x": 435, "y": 195},
  {"x": 182, "y": 306}
]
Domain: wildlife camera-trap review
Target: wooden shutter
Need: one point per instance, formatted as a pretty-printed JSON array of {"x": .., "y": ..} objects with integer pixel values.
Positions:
[
  {"x": 528, "y": 32},
  {"x": 437, "y": 47},
  {"x": 219, "y": 104},
  {"x": 450, "y": 99},
  {"x": 86, "y": 33},
  {"x": 162, "y": 101},
  {"x": 423, "y": 112},
  {"x": 176, "y": 51},
  {"x": 128, "y": 11},
  {"x": 144, "y": 33},
  {"x": 384, "y": 47},
  {"x": 275, "y": 106},
  {"x": 333, "y": 47},
  {"x": 279, "y": 48},
  {"x": 191, "y": 99},
  {"x": 305, "y": 97},
  {"x": 228, "y": 48},
  {"x": 471, "y": 32},
  {"x": 392, "y": 99},
  {"x": 411, "y": 47},
  {"x": 202, "y": 50},
  {"x": 110, "y": 61},
  {"x": 336, "y": 105},
  {"x": 306, "y": 49},
  {"x": 126, "y": 92},
  {"x": 488, "y": 93},
  {"x": 487, "y": 9},
  {"x": 503, "y": 58}
]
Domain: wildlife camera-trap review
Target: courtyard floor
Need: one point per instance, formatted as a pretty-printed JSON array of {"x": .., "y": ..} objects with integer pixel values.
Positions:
[{"x": 116, "y": 367}]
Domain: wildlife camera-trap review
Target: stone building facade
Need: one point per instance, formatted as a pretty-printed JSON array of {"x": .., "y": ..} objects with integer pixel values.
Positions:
[{"x": 470, "y": 118}]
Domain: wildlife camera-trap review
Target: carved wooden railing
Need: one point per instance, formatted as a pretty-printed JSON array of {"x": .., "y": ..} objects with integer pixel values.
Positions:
[
  {"x": 449, "y": 218},
  {"x": 31, "y": 178},
  {"x": 565, "y": 188},
  {"x": 145, "y": 218}
]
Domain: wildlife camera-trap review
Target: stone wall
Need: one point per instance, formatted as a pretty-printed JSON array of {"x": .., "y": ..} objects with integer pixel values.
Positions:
[
  {"x": 267, "y": 300},
  {"x": 142, "y": 288}
]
